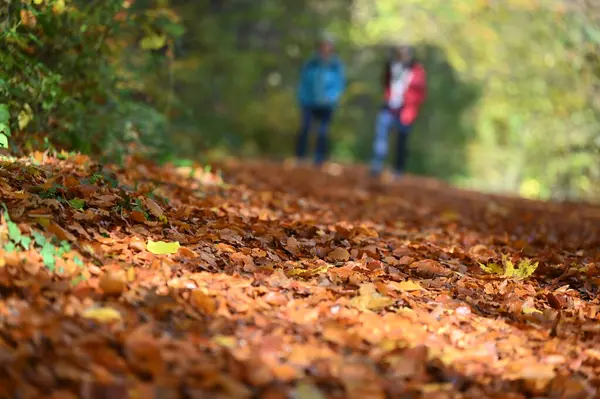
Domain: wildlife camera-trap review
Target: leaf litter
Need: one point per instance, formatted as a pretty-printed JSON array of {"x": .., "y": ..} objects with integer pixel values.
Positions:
[{"x": 281, "y": 282}]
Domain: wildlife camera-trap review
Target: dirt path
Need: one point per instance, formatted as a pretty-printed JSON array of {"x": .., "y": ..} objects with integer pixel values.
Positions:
[{"x": 288, "y": 281}]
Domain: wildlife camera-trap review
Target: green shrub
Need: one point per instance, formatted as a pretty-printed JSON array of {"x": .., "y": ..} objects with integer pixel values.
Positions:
[{"x": 66, "y": 74}]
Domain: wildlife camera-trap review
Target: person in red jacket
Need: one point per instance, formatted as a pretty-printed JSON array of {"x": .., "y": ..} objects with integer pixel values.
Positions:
[{"x": 405, "y": 87}]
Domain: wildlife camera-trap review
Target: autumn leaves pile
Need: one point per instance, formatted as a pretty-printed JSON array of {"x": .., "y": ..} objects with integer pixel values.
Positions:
[{"x": 277, "y": 281}]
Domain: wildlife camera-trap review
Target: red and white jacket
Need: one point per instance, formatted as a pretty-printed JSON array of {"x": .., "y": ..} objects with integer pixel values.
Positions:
[{"x": 414, "y": 91}]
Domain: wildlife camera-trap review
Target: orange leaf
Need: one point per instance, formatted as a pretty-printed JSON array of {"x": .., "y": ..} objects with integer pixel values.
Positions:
[
  {"x": 205, "y": 303},
  {"x": 137, "y": 216},
  {"x": 111, "y": 284}
]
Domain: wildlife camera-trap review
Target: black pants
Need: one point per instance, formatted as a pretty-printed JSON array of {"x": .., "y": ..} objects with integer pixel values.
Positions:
[{"x": 323, "y": 115}]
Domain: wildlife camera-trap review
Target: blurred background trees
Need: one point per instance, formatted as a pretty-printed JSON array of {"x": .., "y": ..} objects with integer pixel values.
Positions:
[{"x": 514, "y": 85}]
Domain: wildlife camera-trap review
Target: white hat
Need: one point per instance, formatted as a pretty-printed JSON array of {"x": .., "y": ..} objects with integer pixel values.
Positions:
[{"x": 327, "y": 37}]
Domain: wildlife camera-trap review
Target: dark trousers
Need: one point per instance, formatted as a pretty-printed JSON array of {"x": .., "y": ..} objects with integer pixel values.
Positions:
[
  {"x": 386, "y": 121},
  {"x": 323, "y": 115}
]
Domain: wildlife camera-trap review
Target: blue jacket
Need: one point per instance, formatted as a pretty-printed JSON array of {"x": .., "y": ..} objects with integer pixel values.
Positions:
[{"x": 321, "y": 82}]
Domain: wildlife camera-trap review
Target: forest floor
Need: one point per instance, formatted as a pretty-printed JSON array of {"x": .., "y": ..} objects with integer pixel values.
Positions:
[{"x": 288, "y": 282}]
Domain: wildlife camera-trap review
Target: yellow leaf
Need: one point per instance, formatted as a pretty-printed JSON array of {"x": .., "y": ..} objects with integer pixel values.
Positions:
[
  {"x": 38, "y": 2},
  {"x": 308, "y": 391},
  {"x": 523, "y": 270},
  {"x": 45, "y": 222},
  {"x": 102, "y": 315},
  {"x": 225, "y": 340},
  {"x": 370, "y": 299},
  {"x": 25, "y": 116},
  {"x": 162, "y": 248},
  {"x": 449, "y": 216},
  {"x": 59, "y": 6},
  {"x": 131, "y": 274},
  {"x": 492, "y": 268},
  {"x": 408, "y": 285},
  {"x": 528, "y": 310}
]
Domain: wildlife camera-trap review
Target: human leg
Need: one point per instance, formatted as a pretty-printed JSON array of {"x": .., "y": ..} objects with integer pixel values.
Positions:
[
  {"x": 303, "y": 134},
  {"x": 380, "y": 145},
  {"x": 401, "y": 154},
  {"x": 325, "y": 116}
]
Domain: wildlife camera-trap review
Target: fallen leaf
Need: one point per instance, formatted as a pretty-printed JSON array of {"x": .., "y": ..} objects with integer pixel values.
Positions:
[
  {"x": 131, "y": 274},
  {"x": 154, "y": 208},
  {"x": 102, "y": 315},
  {"x": 530, "y": 310},
  {"x": 407, "y": 285},
  {"x": 308, "y": 391},
  {"x": 339, "y": 255},
  {"x": 225, "y": 340},
  {"x": 429, "y": 268},
  {"x": 162, "y": 247},
  {"x": 137, "y": 216},
  {"x": 111, "y": 284},
  {"x": 143, "y": 352},
  {"x": 205, "y": 303},
  {"x": 370, "y": 299},
  {"x": 61, "y": 233},
  {"x": 292, "y": 246},
  {"x": 555, "y": 301}
]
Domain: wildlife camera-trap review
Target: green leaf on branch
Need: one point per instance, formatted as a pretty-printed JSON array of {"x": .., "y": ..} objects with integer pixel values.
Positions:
[
  {"x": 153, "y": 42},
  {"x": 4, "y": 125}
]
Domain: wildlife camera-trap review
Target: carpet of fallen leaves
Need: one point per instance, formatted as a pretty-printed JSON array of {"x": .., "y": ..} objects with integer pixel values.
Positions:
[{"x": 290, "y": 282}]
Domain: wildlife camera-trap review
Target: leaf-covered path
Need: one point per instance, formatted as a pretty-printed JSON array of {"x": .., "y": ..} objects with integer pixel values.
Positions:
[{"x": 288, "y": 282}]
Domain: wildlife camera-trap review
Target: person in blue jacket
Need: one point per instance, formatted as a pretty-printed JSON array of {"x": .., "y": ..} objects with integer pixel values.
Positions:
[{"x": 322, "y": 82}]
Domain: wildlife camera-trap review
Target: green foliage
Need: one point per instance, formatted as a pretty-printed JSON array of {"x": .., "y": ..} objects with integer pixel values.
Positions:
[
  {"x": 507, "y": 269},
  {"x": 77, "y": 203},
  {"x": 64, "y": 73},
  {"x": 4, "y": 126},
  {"x": 536, "y": 66},
  {"x": 17, "y": 241}
]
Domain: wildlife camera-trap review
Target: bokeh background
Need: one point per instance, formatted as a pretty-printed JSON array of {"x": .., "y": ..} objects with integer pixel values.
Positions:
[{"x": 514, "y": 85}]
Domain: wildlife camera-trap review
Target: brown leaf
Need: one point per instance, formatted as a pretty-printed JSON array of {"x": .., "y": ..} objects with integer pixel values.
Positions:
[
  {"x": 137, "y": 216},
  {"x": 60, "y": 233},
  {"x": 339, "y": 255},
  {"x": 292, "y": 246},
  {"x": 143, "y": 352},
  {"x": 406, "y": 260},
  {"x": 555, "y": 301},
  {"x": 87, "y": 190},
  {"x": 222, "y": 247},
  {"x": 243, "y": 259},
  {"x": 429, "y": 268},
  {"x": 154, "y": 208},
  {"x": 573, "y": 387},
  {"x": 187, "y": 253}
]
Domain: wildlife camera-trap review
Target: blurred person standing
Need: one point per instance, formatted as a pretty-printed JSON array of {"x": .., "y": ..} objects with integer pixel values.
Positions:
[
  {"x": 322, "y": 83},
  {"x": 405, "y": 86}
]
